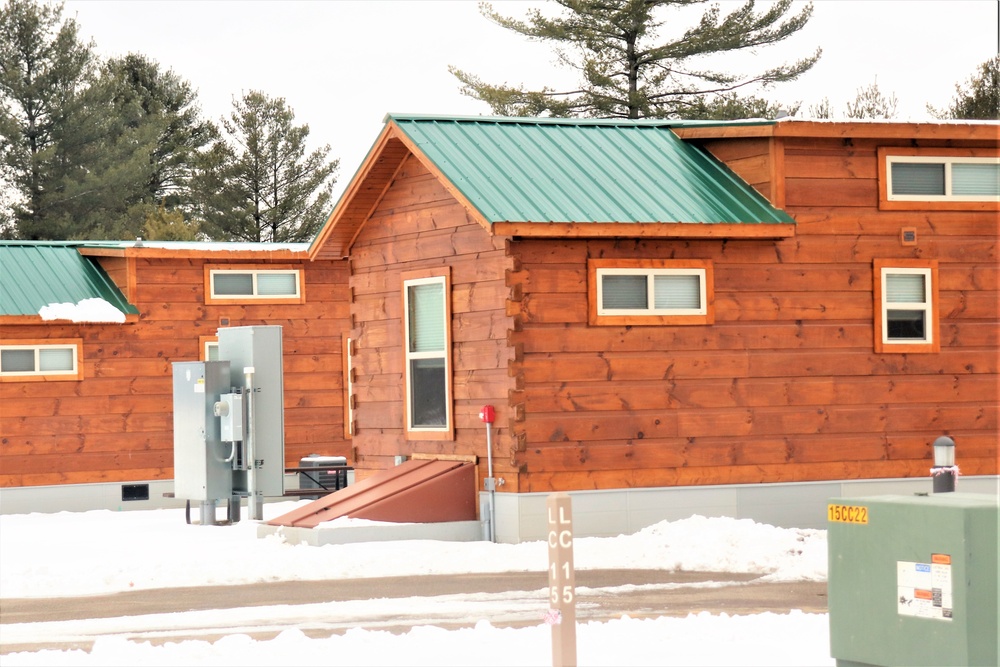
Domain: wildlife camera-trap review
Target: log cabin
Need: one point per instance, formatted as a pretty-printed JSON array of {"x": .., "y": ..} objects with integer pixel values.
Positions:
[
  {"x": 669, "y": 318},
  {"x": 86, "y": 414}
]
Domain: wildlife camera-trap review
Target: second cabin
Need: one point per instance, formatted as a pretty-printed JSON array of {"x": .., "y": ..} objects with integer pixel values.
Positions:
[{"x": 652, "y": 305}]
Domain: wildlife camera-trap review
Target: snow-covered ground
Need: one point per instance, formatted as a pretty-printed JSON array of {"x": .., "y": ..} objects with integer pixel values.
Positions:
[{"x": 90, "y": 553}]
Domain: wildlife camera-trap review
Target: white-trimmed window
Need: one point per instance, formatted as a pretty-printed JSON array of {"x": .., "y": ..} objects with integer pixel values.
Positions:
[
  {"x": 650, "y": 291},
  {"x": 52, "y": 360},
  {"x": 253, "y": 284},
  {"x": 934, "y": 178},
  {"x": 427, "y": 348},
  {"x": 906, "y": 307},
  {"x": 917, "y": 178},
  {"x": 209, "y": 348}
]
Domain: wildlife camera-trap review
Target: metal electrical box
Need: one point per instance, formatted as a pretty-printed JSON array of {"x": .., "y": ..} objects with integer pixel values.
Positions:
[
  {"x": 913, "y": 580},
  {"x": 229, "y": 423},
  {"x": 200, "y": 471},
  {"x": 259, "y": 348}
]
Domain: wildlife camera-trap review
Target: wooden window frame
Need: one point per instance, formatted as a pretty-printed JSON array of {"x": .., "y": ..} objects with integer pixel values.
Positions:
[
  {"x": 703, "y": 268},
  {"x": 928, "y": 268},
  {"x": 948, "y": 156},
  {"x": 203, "y": 344},
  {"x": 347, "y": 350},
  {"x": 446, "y": 432},
  {"x": 74, "y": 375},
  {"x": 230, "y": 299}
]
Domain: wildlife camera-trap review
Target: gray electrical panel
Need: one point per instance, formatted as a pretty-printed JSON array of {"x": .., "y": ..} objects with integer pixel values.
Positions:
[
  {"x": 259, "y": 348},
  {"x": 229, "y": 423},
  {"x": 200, "y": 470}
]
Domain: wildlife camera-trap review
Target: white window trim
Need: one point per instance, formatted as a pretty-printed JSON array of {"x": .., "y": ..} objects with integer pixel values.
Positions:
[
  {"x": 254, "y": 274},
  {"x": 948, "y": 162},
  {"x": 445, "y": 354},
  {"x": 73, "y": 372},
  {"x": 650, "y": 273},
  {"x": 926, "y": 306}
]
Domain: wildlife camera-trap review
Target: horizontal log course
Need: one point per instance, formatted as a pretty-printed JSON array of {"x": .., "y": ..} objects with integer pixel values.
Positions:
[
  {"x": 731, "y": 336},
  {"x": 759, "y": 392},
  {"x": 104, "y": 476}
]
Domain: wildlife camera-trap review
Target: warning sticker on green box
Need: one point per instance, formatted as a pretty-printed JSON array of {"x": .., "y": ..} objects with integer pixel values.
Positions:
[{"x": 924, "y": 589}]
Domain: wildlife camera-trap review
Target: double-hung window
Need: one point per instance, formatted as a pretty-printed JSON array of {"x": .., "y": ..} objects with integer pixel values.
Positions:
[
  {"x": 427, "y": 351},
  {"x": 906, "y": 306},
  {"x": 943, "y": 178},
  {"x": 51, "y": 360},
  {"x": 650, "y": 292}
]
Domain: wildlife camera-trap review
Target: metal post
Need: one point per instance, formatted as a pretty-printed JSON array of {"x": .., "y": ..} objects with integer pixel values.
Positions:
[
  {"x": 207, "y": 513},
  {"x": 491, "y": 484},
  {"x": 254, "y": 509},
  {"x": 944, "y": 471},
  {"x": 488, "y": 415}
]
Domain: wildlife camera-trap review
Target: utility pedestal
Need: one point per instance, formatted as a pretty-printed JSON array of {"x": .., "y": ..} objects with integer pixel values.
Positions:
[{"x": 913, "y": 580}]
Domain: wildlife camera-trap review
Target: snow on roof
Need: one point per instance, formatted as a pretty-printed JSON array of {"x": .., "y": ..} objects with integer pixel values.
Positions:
[{"x": 94, "y": 310}]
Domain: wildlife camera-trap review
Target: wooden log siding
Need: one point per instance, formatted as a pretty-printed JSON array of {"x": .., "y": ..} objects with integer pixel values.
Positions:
[
  {"x": 419, "y": 225},
  {"x": 785, "y": 386},
  {"x": 116, "y": 425}
]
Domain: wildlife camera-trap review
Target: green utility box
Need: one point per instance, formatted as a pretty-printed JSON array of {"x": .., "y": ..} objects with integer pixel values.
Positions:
[{"x": 913, "y": 580}]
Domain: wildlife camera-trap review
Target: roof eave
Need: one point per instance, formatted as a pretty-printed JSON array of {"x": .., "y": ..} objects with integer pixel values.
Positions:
[
  {"x": 660, "y": 230},
  {"x": 912, "y": 130}
]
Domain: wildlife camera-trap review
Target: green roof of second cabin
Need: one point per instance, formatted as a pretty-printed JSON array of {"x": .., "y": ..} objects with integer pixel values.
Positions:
[
  {"x": 38, "y": 274},
  {"x": 544, "y": 170},
  {"x": 539, "y": 171}
]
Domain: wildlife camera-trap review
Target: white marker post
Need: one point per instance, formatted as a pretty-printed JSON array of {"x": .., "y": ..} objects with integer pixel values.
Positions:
[{"x": 562, "y": 592}]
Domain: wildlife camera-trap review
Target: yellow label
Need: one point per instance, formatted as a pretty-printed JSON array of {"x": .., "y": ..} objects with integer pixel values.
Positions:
[{"x": 847, "y": 514}]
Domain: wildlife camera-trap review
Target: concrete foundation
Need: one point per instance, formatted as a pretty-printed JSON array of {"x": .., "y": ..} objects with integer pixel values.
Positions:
[
  {"x": 448, "y": 531},
  {"x": 521, "y": 517}
]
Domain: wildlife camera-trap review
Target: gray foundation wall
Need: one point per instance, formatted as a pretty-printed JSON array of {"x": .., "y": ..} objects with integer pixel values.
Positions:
[{"x": 521, "y": 517}]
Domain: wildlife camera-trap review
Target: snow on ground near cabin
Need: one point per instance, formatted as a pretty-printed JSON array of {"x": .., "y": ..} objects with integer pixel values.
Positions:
[
  {"x": 89, "y": 553},
  {"x": 87, "y": 310},
  {"x": 64, "y": 554}
]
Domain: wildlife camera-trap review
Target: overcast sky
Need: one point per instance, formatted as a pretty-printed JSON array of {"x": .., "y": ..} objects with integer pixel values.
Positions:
[{"x": 342, "y": 65}]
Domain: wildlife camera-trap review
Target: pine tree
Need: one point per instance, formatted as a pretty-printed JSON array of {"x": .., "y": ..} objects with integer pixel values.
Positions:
[
  {"x": 978, "y": 98},
  {"x": 164, "y": 225},
  {"x": 84, "y": 146},
  {"x": 627, "y": 70},
  {"x": 257, "y": 183},
  {"x": 733, "y": 107},
  {"x": 143, "y": 93},
  {"x": 871, "y": 103},
  {"x": 44, "y": 67}
]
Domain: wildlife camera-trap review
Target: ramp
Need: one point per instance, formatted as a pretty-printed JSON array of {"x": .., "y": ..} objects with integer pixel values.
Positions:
[{"x": 416, "y": 491}]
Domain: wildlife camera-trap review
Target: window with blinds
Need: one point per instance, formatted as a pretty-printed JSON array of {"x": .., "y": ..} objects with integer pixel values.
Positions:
[
  {"x": 254, "y": 284},
  {"x": 427, "y": 320},
  {"x": 651, "y": 291},
  {"x": 905, "y": 306},
  {"x": 53, "y": 361},
  {"x": 938, "y": 178}
]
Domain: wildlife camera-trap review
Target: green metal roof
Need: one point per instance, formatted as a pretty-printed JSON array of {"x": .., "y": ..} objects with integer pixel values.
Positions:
[
  {"x": 584, "y": 171},
  {"x": 33, "y": 275}
]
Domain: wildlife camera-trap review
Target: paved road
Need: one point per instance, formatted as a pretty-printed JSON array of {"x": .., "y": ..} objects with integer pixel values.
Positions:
[{"x": 322, "y": 608}]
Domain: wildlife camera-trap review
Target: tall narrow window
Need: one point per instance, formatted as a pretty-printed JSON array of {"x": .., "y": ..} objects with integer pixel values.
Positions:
[
  {"x": 427, "y": 330},
  {"x": 906, "y": 307}
]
